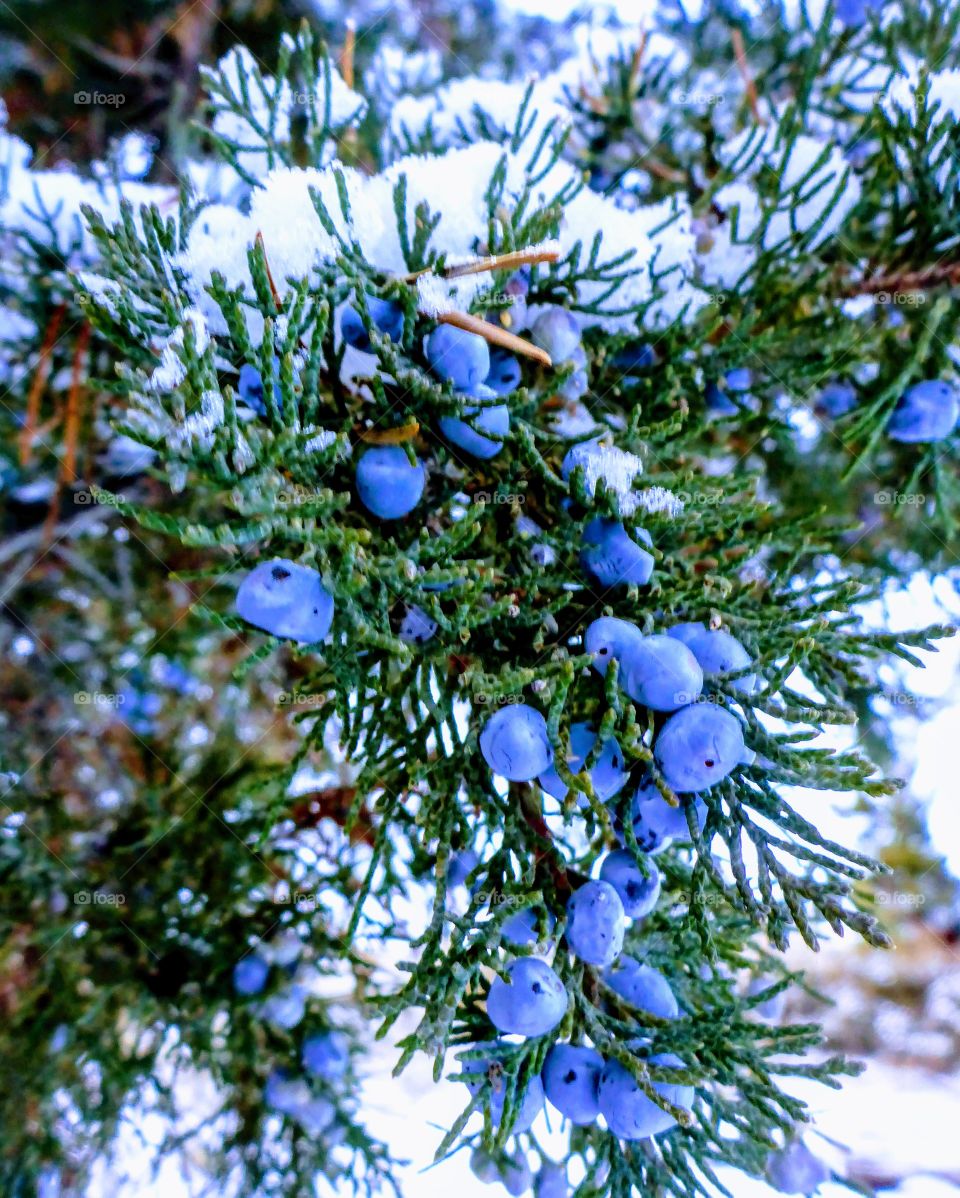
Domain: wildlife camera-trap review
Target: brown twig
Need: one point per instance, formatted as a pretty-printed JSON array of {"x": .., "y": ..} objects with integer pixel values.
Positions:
[
  {"x": 662, "y": 171},
  {"x": 596, "y": 104},
  {"x": 32, "y": 415},
  {"x": 71, "y": 427},
  {"x": 637, "y": 60},
  {"x": 947, "y": 275},
  {"x": 479, "y": 266},
  {"x": 347, "y": 53},
  {"x": 390, "y": 436},
  {"x": 743, "y": 67},
  {"x": 508, "y": 261},
  {"x": 266, "y": 265},
  {"x": 495, "y": 335}
]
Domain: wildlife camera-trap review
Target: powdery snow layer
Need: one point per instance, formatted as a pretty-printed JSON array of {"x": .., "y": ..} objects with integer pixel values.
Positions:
[{"x": 284, "y": 213}]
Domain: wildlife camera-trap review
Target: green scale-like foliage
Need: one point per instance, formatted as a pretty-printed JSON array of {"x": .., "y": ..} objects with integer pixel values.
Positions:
[
  {"x": 510, "y": 628},
  {"x": 782, "y": 319},
  {"x": 769, "y": 547}
]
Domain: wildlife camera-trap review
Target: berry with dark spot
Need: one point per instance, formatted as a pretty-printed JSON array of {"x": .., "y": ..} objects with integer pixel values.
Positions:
[
  {"x": 532, "y": 1003},
  {"x": 571, "y": 1074}
]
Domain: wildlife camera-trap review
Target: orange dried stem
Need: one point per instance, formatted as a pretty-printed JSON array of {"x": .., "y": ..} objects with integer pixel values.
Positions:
[
  {"x": 662, "y": 171},
  {"x": 71, "y": 430},
  {"x": 481, "y": 265},
  {"x": 741, "y": 56},
  {"x": 915, "y": 280},
  {"x": 390, "y": 436},
  {"x": 501, "y": 262},
  {"x": 495, "y": 335},
  {"x": 637, "y": 60},
  {"x": 596, "y": 103},
  {"x": 28, "y": 433},
  {"x": 347, "y": 54},
  {"x": 266, "y": 266}
]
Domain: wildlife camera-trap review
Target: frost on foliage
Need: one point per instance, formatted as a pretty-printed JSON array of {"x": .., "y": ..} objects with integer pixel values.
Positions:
[
  {"x": 469, "y": 110},
  {"x": 319, "y": 440},
  {"x": 614, "y": 468},
  {"x": 151, "y": 423},
  {"x": 46, "y": 205},
  {"x": 816, "y": 192},
  {"x": 817, "y": 189},
  {"x": 598, "y": 44},
  {"x": 659, "y": 499},
  {"x": 173, "y": 368},
  {"x": 671, "y": 232},
  {"x": 857, "y": 81},
  {"x": 253, "y": 110},
  {"x": 394, "y": 71},
  {"x": 617, "y": 470},
  {"x": 436, "y": 295},
  {"x": 199, "y": 426},
  {"x": 941, "y": 92}
]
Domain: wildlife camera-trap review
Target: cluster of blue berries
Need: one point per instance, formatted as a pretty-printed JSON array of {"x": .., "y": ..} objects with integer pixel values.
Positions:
[
  {"x": 576, "y": 1079},
  {"x": 390, "y": 482},
  {"x": 532, "y": 1001},
  {"x": 290, "y": 601},
  {"x": 324, "y": 1055},
  {"x": 698, "y": 745},
  {"x": 927, "y": 411}
]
